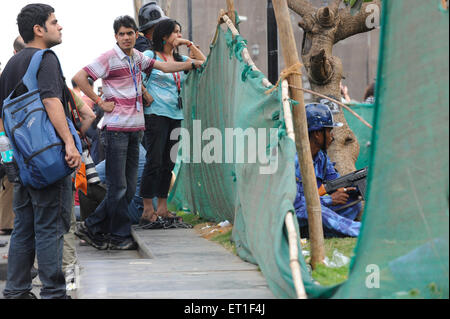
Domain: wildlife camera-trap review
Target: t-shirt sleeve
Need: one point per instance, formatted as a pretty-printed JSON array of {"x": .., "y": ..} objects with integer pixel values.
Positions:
[
  {"x": 99, "y": 69},
  {"x": 148, "y": 60},
  {"x": 50, "y": 82},
  {"x": 185, "y": 58}
]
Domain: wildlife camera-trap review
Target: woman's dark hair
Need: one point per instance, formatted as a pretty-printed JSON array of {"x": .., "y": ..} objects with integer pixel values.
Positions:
[
  {"x": 164, "y": 29},
  {"x": 124, "y": 21},
  {"x": 370, "y": 91},
  {"x": 31, "y": 15}
]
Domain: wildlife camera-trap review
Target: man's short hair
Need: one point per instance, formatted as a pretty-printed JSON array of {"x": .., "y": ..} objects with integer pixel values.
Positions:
[
  {"x": 18, "y": 44},
  {"x": 124, "y": 21},
  {"x": 31, "y": 15}
]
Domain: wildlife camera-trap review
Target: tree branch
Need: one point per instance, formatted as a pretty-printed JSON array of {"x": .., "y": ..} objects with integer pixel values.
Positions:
[
  {"x": 321, "y": 69},
  {"x": 306, "y": 10},
  {"x": 350, "y": 25},
  {"x": 335, "y": 6},
  {"x": 301, "y": 7}
]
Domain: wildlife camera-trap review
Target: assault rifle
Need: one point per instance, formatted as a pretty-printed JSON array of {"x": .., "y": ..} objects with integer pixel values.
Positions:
[{"x": 355, "y": 179}]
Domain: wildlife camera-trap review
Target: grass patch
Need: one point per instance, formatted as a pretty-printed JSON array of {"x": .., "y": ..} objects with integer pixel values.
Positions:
[
  {"x": 343, "y": 245},
  {"x": 330, "y": 276},
  {"x": 324, "y": 275},
  {"x": 327, "y": 276},
  {"x": 192, "y": 219},
  {"x": 221, "y": 236},
  {"x": 224, "y": 239}
]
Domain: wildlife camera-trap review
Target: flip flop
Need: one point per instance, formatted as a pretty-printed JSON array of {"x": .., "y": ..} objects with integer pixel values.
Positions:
[{"x": 173, "y": 216}]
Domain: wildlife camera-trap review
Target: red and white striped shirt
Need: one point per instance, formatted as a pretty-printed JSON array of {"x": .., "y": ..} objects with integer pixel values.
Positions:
[{"x": 122, "y": 84}]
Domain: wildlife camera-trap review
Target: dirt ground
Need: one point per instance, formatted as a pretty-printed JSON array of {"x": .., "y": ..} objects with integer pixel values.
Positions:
[{"x": 210, "y": 230}]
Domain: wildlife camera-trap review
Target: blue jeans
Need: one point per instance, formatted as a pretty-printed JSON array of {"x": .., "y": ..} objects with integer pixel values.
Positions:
[
  {"x": 42, "y": 218},
  {"x": 122, "y": 160}
]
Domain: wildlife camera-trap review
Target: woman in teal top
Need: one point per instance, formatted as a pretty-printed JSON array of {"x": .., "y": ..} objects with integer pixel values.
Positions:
[{"x": 162, "y": 116}]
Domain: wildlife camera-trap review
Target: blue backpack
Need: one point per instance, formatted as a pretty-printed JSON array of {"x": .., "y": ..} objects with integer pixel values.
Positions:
[{"x": 38, "y": 150}]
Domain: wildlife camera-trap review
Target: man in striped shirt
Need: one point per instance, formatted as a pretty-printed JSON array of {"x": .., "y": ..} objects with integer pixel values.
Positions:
[{"x": 120, "y": 70}]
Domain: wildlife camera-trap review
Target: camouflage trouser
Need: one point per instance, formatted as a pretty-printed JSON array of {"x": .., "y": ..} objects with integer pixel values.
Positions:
[{"x": 69, "y": 250}]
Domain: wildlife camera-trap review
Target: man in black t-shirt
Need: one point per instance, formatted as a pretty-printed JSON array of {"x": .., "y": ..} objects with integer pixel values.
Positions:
[{"x": 42, "y": 216}]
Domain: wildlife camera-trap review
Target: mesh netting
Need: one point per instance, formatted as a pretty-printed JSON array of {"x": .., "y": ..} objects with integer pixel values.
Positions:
[{"x": 402, "y": 250}]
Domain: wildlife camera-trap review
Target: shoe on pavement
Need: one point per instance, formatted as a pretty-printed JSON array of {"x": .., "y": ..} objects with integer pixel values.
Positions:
[
  {"x": 128, "y": 244},
  {"x": 83, "y": 233},
  {"x": 26, "y": 295}
]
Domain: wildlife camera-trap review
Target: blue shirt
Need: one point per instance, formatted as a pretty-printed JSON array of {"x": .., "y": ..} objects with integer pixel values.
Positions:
[
  {"x": 324, "y": 170},
  {"x": 163, "y": 88},
  {"x": 336, "y": 223}
]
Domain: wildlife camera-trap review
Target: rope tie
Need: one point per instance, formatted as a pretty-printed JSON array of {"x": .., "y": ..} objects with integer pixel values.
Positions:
[{"x": 286, "y": 73}]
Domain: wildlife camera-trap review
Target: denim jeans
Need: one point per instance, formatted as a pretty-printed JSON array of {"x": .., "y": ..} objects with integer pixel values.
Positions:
[
  {"x": 42, "y": 219},
  {"x": 122, "y": 160}
]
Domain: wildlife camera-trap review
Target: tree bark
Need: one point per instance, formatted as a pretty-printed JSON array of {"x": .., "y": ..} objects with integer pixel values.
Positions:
[{"x": 323, "y": 28}]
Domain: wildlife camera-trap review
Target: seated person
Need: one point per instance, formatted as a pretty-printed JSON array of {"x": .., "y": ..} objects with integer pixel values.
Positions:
[
  {"x": 337, "y": 221},
  {"x": 96, "y": 193}
]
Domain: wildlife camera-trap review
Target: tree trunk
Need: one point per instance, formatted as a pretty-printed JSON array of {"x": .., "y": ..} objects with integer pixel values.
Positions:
[{"x": 323, "y": 28}]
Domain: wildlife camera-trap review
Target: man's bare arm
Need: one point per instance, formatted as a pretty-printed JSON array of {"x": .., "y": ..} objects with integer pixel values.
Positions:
[
  {"x": 56, "y": 114},
  {"x": 81, "y": 79},
  {"x": 170, "y": 67},
  {"x": 87, "y": 118}
]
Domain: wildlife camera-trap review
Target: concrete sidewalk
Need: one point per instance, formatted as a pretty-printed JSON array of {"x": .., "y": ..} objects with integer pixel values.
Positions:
[{"x": 172, "y": 264}]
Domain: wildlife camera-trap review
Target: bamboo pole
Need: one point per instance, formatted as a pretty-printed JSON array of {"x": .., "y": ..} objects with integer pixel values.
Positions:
[
  {"x": 168, "y": 7},
  {"x": 289, "y": 220},
  {"x": 137, "y": 6},
  {"x": 231, "y": 11},
  {"x": 245, "y": 54},
  {"x": 293, "y": 254},
  {"x": 301, "y": 134},
  {"x": 287, "y": 110}
]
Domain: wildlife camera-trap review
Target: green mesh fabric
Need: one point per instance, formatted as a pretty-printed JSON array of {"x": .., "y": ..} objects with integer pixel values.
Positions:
[
  {"x": 404, "y": 235},
  {"x": 405, "y": 227},
  {"x": 363, "y": 133},
  {"x": 228, "y": 94}
]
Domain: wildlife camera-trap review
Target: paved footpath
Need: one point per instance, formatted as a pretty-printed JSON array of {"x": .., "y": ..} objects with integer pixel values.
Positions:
[{"x": 170, "y": 264}]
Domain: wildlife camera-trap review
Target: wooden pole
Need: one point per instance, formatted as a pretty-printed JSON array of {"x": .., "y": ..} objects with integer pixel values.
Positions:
[
  {"x": 137, "y": 6},
  {"x": 314, "y": 209},
  {"x": 168, "y": 7},
  {"x": 293, "y": 253},
  {"x": 231, "y": 11},
  {"x": 245, "y": 54}
]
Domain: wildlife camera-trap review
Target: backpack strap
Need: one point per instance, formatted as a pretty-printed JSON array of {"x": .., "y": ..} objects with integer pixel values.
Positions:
[{"x": 29, "y": 79}]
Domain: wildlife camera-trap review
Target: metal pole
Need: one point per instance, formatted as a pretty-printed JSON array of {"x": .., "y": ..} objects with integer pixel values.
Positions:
[
  {"x": 190, "y": 20},
  {"x": 272, "y": 43}
]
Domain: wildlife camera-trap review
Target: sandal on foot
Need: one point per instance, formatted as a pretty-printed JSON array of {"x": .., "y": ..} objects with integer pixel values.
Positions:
[
  {"x": 173, "y": 216},
  {"x": 144, "y": 221}
]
